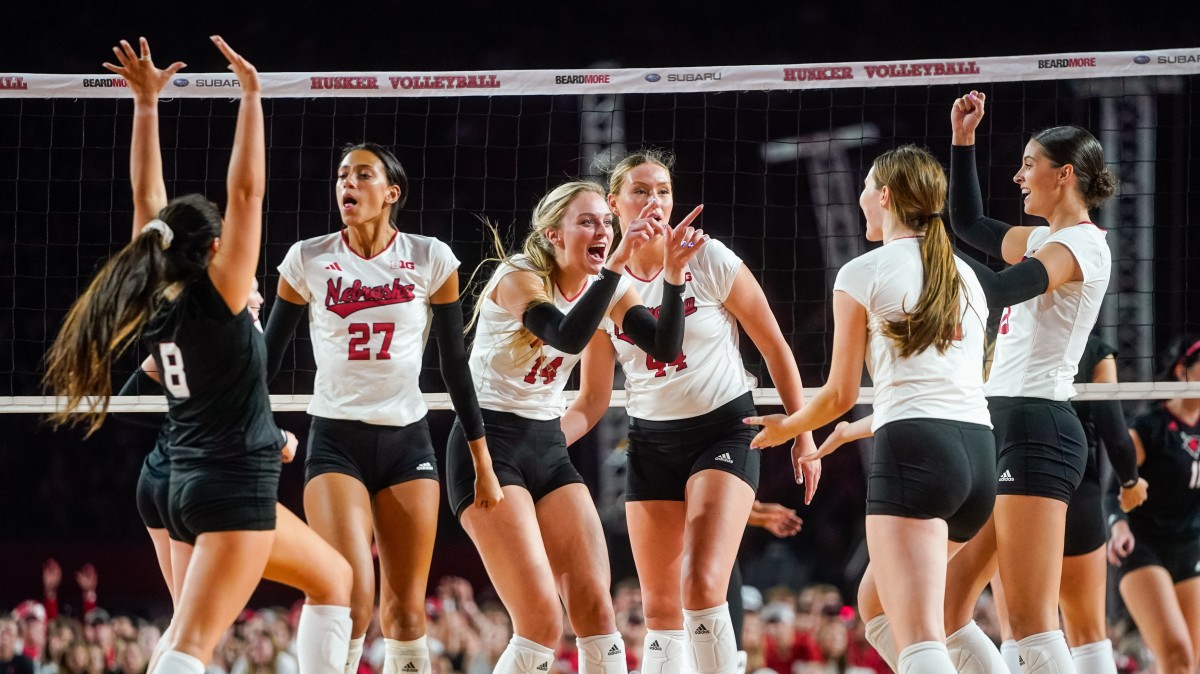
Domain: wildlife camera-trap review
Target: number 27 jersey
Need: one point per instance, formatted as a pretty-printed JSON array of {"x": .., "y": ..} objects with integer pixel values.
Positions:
[{"x": 369, "y": 319}]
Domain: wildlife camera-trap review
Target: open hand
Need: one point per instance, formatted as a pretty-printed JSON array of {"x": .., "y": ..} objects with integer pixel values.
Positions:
[{"x": 145, "y": 79}]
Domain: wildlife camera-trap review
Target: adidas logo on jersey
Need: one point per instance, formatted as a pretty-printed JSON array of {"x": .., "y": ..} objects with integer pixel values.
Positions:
[
  {"x": 615, "y": 650},
  {"x": 410, "y": 667},
  {"x": 724, "y": 458},
  {"x": 654, "y": 646},
  {"x": 333, "y": 267},
  {"x": 701, "y": 630},
  {"x": 544, "y": 667},
  {"x": 1007, "y": 477},
  {"x": 425, "y": 465}
]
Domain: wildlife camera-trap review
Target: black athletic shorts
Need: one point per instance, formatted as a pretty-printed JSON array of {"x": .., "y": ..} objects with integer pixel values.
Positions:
[
  {"x": 378, "y": 456},
  {"x": 154, "y": 492},
  {"x": 663, "y": 455},
  {"x": 1041, "y": 446},
  {"x": 526, "y": 453},
  {"x": 934, "y": 468},
  {"x": 1085, "y": 517},
  {"x": 236, "y": 493},
  {"x": 1179, "y": 556}
]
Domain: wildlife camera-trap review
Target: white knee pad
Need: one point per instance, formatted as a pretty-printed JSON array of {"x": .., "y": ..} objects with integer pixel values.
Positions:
[
  {"x": 523, "y": 656},
  {"x": 879, "y": 635},
  {"x": 354, "y": 654},
  {"x": 926, "y": 657},
  {"x": 1008, "y": 652},
  {"x": 323, "y": 639},
  {"x": 1095, "y": 658},
  {"x": 742, "y": 659},
  {"x": 602, "y": 654},
  {"x": 972, "y": 652},
  {"x": 406, "y": 657},
  {"x": 1045, "y": 653},
  {"x": 662, "y": 652},
  {"x": 174, "y": 662},
  {"x": 711, "y": 647}
]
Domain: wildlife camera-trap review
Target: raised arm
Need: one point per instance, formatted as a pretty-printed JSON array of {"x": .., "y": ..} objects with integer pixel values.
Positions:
[
  {"x": 232, "y": 268},
  {"x": 145, "y": 157}
]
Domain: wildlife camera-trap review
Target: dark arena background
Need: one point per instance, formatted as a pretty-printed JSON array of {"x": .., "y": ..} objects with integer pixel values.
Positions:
[{"x": 778, "y": 168}]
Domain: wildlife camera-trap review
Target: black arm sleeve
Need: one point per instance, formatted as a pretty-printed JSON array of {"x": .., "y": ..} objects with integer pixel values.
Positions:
[
  {"x": 662, "y": 338},
  {"x": 571, "y": 332},
  {"x": 1020, "y": 282},
  {"x": 1110, "y": 426},
  {"x": 456, "y": 371},
  {"x": 140, "y": 384},
  {"x": 281, "y": 325},
  {"x": 966, "y": 205}
]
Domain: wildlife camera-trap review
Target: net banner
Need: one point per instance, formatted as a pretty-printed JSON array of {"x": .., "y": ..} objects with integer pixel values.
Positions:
[{"x": 385, "y": 84}]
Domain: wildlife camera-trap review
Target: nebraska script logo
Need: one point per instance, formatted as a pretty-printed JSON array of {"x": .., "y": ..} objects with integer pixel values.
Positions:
[
  {"x": 689, "y": 308},
  {"x": 357, "y": 297}
]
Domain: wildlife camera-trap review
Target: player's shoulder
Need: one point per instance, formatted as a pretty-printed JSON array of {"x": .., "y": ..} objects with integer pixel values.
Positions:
[{"x": 319, "y": 244}]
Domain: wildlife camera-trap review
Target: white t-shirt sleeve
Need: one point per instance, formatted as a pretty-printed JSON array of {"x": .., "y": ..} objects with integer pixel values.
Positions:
[
  {"x": 292, "y": 270},
  {"x": 1085, "y": 243},
  {"x": 442, "y": 263},
  {"x": 856, "y": 278},
  {"x": 717, "y": 268}
]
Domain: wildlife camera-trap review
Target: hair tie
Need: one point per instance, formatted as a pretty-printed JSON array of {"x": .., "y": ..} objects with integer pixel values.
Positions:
[{"x": 164, "y": 232}]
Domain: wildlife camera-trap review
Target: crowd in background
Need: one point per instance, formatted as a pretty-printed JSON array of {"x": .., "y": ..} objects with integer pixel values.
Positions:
[{"x": 786, "y": 631}]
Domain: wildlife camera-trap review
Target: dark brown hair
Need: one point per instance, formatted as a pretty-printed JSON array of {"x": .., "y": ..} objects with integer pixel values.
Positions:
[{"x": 1076, "y": 146}]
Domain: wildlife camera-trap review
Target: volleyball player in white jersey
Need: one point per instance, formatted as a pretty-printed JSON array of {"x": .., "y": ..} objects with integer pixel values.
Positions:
[
  {"x": 1050, "y": 298},
  {"x": 536, "y": 315},
  {"x": 371, "y": 473},
  {"x": 692, "y": 476},
  {"x": 916, "y": 313}
]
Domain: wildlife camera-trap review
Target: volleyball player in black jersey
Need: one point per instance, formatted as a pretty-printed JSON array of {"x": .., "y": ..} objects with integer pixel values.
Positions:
[
  {"x": 182, "y": 287},
  {"x": 1156, "y": 547}
]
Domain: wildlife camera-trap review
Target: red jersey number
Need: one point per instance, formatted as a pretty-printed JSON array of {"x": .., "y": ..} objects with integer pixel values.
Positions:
[
  {"x": 660, "y": 368},
  {"x": 360, "y": 337},
  {"x": 547, "y": 373}
]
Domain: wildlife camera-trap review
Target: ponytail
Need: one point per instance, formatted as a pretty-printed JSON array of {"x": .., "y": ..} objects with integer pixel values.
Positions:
[{"x": 936, "y": 319}]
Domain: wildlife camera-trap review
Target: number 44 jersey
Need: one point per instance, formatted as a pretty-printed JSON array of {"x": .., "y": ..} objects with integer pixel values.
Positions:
[{"x": 369, "y": 319}]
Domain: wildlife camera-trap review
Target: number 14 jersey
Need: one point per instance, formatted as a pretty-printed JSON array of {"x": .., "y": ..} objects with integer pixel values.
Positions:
[{"x": 368, "y": 319}]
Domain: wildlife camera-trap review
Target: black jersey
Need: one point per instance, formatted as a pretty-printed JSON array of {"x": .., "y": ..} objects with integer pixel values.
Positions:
[
  {"x": 1172, "y": 467},
  {"x": 213, "y": 366},
  {"x": 1094, "y": 351}
]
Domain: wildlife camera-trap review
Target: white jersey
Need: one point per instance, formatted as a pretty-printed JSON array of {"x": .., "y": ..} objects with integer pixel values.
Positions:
[
  {"x": 928, "y": 385},
  {"x": 709, "y": 372},
  {"x": 525, "y": 381},
  {"x": 368, "y": 320},
  {"x": 1041, "y": 340}
]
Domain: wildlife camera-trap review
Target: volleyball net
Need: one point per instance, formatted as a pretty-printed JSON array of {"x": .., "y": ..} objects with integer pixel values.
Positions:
[{"x": 776, "y": 154}]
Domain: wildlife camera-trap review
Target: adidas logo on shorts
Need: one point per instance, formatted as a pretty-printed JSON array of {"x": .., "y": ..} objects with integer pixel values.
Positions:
[
  {"x": 724, "y": 458},
  {"x": 1020, "y": 661},
  {"x": 615, "y": 650},
  {"x": 701, "y": 630},
  {"x": 544, "y": 667},
  {"x": 1007, "y": 477},
  {"x": 425, "y": 465},
  {"x": 654, "y": 646},
  {"x": 410, "y": 667}
]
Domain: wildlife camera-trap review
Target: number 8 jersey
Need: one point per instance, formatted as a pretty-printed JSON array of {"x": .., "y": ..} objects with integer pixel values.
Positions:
[{"x": 368, "y": 321}]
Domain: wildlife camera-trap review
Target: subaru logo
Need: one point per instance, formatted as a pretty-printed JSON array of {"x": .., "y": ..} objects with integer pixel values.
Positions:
[
  {"x": 653, "y": 77},
  {"x": 180, "y": 81},
  {"x": 1141, "y": 59}
]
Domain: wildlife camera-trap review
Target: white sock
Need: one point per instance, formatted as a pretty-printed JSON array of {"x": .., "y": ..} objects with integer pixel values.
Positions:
[
  {"x": 879, "y": 635},
  {"x": 1045, "y": 653},
  {"x": 711, "y": 648},
  {"x": 1095, "y": 658},
  {"x": 322, "y": 639},
  {"x": 743, "y": 658},
  {"x": 1008, "y": 651},
  {"x": 354, "y": 654},
  {"x": 164, "y": 642},
  {"x": 972, "y": 652},
  {"x": 662, "y": 652},
  {"x": 926, "y": 657},
  {"x": 406, "y": 657},
  {"x": 602, "y": 654},
  {"x": 523, "y": 656},
  {"x": 174, "y": 662}
]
